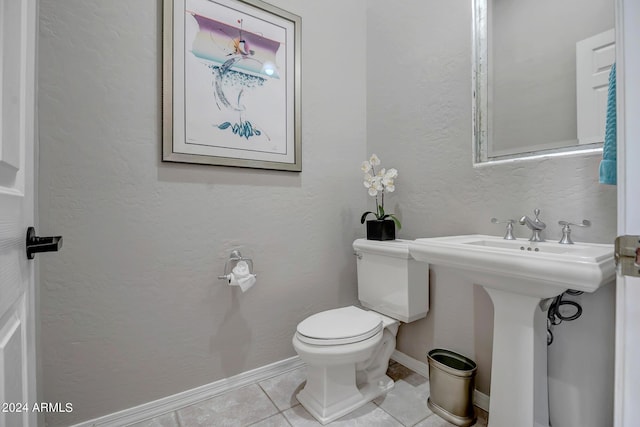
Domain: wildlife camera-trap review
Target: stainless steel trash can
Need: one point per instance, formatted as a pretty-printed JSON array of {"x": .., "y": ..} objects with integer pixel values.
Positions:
[{"x": 452, "y": 381}]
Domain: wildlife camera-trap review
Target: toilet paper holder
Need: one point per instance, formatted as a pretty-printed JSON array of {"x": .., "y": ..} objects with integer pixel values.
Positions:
[{"x": 234, "y": 258}]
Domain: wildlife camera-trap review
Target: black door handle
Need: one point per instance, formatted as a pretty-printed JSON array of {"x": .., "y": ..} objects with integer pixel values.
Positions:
[{"x": 37, "y": 244}]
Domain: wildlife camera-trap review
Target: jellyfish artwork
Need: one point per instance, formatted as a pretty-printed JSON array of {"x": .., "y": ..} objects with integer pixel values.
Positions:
[{"x": 240, "y": 61}]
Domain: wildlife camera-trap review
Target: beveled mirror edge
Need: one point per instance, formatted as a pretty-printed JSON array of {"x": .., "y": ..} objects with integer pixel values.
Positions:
[
  {"x": 480, "y": 102},
  {"x": 527, "y": 157},
  {"x": 479, "y": 80}
]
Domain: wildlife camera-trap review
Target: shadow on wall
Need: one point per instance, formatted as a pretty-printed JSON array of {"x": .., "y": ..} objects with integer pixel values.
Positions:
[
  {"x": 460, "y": 319},
  {"x": 223, "y": 175},
  {"x": 423, "y": 328},
  {"x": 483, "y": 337},
  {"x": 231, "y": 341}
]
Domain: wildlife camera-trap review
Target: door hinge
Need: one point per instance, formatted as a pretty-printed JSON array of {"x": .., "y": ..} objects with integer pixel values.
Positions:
[{"x": 627, "y": 255}]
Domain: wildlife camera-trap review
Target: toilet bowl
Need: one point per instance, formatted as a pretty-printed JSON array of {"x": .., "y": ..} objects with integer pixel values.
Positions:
[{"x": 347, "y": 350}]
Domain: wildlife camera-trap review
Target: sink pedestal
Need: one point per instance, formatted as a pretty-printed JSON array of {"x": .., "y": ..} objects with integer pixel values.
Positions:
[
  {"x": 518, "y": 274},
  {"x": 519, "y": 394}
]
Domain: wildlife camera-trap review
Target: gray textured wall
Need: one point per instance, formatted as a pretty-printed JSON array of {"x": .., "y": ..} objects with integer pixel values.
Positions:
[
  {"x": 132, "y": 309},
  {"x": 419, "y": 121}
]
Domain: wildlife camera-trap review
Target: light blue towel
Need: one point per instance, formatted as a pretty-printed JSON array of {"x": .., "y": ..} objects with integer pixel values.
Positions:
[{"x": 609, "y": 149}]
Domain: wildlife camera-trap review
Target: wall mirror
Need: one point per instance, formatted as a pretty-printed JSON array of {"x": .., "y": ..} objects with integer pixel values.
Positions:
[{"x": 540, "y": 76}]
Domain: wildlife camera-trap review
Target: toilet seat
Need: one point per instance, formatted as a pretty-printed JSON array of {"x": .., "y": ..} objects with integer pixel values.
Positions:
[{"x": 345, "y": 325}]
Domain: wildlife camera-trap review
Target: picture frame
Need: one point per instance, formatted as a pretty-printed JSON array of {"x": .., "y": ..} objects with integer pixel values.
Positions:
[{"x": 231, "y": 84}]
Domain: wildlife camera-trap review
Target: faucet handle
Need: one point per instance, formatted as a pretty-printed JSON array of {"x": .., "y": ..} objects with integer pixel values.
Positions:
[
  {"x": 536, "y": 212},
  {"x": 566, "y": 230},
  {"x": 509, "y": 233}
]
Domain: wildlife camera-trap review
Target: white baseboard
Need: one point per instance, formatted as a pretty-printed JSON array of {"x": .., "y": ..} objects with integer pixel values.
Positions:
[
  {"x": 414, "y": 364},
  {"x": 189, "y": 397},
  {"x": 481, "y": 400}
]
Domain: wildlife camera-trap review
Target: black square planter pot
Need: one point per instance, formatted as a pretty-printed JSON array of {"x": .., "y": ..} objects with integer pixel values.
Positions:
[{"x": 384, "y": 229}]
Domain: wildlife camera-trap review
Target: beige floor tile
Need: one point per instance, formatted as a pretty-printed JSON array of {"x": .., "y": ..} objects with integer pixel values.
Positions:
[
  {"x": 237, "y": 408},
  {"x": 434, "y": 421},
  {"x": 367, "y": 416},
  {"x": 166, "y": 420},
  {"x": 407, "y": 400},
  {"x": 282, "y": 390},
  {"x": 278, "y": 420}
]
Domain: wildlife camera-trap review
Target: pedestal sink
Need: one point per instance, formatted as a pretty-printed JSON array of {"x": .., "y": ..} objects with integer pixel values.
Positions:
[{"x": 517, "y": 275}]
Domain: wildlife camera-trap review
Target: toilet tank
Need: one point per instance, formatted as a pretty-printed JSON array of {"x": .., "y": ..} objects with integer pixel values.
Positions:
[{"x": 390, "y": 281}]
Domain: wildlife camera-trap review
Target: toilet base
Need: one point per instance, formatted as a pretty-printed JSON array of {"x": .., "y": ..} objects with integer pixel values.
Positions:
[
  {"x": 342, "y": 378},
  {"x": 355, "y": 399}
]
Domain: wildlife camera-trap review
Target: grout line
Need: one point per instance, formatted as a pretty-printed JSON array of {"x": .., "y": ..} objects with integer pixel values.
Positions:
[
  {"x": 428, "y": 416},
  {"x": 177, "y": 418},
  {"x": 400, "y": 422},
  {"x": 262, "y": 419},
  {"x": 285, "y": 418},
  {"x": 280, "y": 411},
  {"x": 270, "y": 400}
]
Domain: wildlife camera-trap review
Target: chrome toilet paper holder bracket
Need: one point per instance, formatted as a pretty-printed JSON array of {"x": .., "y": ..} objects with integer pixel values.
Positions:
[{"x": 234, "y": 258}]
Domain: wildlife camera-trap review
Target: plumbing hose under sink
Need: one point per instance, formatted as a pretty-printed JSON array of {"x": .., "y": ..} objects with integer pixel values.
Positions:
[{"x": 554, "y": 317}]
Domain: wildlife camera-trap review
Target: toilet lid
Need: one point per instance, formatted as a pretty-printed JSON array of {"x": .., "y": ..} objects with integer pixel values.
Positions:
[{"x": 339, "y": 326}]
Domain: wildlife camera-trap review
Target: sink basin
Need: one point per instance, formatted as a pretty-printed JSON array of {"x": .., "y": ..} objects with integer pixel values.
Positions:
[
  {"x": 540, "y": 269},
  {"x": 517, "y": 275}
]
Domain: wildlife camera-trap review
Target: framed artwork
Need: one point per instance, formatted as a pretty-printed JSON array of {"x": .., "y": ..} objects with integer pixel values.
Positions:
[{"x": 231, "y": 84}]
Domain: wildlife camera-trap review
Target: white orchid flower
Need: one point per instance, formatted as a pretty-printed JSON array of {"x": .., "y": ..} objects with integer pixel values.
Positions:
[
  {"x": 377, "y": 183},
  {"x": 374, "y": 184},
  {"x": 391, "y": 173},
  {"x": 368, "y": 180}
]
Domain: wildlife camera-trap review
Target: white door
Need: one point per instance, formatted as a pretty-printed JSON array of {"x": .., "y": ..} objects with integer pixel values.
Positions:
[
  {"x": 17, "y": 135},
  {"x": 627, "y": 393},
  {"x": 594, "y": 58}
]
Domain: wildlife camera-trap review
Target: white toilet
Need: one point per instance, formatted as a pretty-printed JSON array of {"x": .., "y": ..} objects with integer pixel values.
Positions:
[{"x": 347, "y": 349}]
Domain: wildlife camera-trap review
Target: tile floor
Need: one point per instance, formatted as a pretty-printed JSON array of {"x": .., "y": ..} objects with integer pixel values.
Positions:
[{"x": 273, "y": 403}]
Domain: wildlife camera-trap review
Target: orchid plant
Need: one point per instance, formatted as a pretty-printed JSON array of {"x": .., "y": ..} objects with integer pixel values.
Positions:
[{"x": 378, "y": 183}]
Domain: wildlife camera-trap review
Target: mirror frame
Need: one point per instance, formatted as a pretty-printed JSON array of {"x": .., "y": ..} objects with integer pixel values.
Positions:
[{"x": 480, "y": 77}]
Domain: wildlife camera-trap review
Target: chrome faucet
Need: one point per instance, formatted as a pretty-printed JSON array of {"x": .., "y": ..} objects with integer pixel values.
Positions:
[{"x": 535, "y": 225}]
